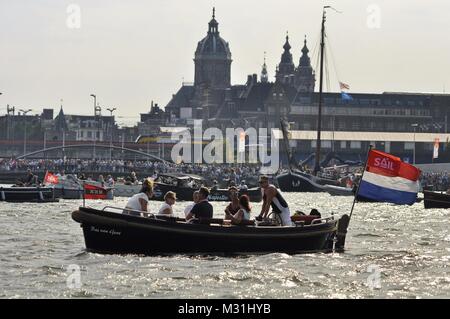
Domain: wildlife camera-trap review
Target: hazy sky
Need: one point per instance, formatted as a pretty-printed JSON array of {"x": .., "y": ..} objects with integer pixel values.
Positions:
[{"x": 132, "y": 52}]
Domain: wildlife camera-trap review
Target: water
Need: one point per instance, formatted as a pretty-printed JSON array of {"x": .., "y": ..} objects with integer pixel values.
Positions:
[{"x": 392, "y": 252}]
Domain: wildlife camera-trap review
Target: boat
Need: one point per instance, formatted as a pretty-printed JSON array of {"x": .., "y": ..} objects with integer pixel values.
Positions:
[
  {"x": 110, "y": 231},
  {"x": 70, "y": 187},
  {"x": 338, "y": 190},
  {"x": 184, "y": 185},
  {"x": 124, "y": 190},
  {"x": 435, "y": 200},
  {"x": 67, "y": 187},
  {"x": 297, "y": 181},
  {"x": 27, "y": 194}
]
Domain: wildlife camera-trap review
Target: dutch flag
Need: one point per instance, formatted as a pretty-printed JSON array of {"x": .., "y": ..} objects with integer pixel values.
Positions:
[{"x": 388, "y": 179}]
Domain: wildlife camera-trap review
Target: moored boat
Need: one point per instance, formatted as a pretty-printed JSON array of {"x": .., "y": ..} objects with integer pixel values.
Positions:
[
  {"x": 338, "y": 190},
  {"x": 27, "y": 194},
  {"x": 297, "y": 181},
  {"x": 436, "y": 200},
  {"x": 110, "y": 231},
  {"x": 185, "y": 186}
]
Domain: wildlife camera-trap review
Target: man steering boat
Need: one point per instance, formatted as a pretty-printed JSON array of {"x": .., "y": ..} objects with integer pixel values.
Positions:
[{"x": 272, "y": 198}]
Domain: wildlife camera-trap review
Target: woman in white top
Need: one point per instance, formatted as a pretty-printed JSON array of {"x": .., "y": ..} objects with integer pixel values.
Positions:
[
  {"x": 243, "y": 213},
  {"x": 169, "y": 200},
  {"x": 139, "y": 202}
]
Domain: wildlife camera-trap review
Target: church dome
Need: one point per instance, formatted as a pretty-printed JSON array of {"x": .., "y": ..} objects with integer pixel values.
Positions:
[{"x": 213, "y": 45}]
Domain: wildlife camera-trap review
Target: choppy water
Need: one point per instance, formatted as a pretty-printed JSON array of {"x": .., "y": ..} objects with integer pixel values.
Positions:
[{"x": 392, "y": 252}]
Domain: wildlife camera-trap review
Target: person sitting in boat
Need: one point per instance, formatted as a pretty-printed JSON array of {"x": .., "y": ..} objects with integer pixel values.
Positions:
[
  {"x": 101, "y": 180},
  {"x": 139, "y": 202},
  {"x": 29, "y": 179},
  {"x": 169, "y": 200},
  {"x": 233, "y": 207},
  {"x": 189, "y": 207},
  {"x": 132, "y": 179},
  {"x": 243, "y": 214},
  {"x": 110, "y": 181},
  {"x": 243, "y": 186},
  {"x": 272, "y": 198},
  {"x": 203, "y": 209},
  {"x": 215, "y": 185}
]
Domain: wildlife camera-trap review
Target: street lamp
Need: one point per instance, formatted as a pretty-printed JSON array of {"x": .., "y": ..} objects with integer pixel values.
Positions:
[
  {"x": 414, "y": 146},
  {"x": 111, "y": 133},
  {"x": 25, "y": 130}
]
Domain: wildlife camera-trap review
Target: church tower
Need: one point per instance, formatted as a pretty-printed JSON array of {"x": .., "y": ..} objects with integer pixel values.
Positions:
[
  {"x": 286, "y": 69},
  {"x": 305, "y": 78},
  {"x": 264, "y": 74},
  {"x": 213, "y": 59}
]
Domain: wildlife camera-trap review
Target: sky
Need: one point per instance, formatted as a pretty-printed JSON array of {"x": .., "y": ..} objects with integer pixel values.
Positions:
[{"x": 131, "y": 52}]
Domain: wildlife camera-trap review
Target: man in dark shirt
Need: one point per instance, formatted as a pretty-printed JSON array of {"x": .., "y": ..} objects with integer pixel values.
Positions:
[{"x": 203, "y": 209}]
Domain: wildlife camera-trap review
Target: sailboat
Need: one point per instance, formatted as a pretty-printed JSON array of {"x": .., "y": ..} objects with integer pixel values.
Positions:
[{"x": 295, "y": 179}]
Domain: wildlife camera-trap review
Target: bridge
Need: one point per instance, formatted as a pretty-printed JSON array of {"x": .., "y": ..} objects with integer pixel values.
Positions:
[{"x": 94, "y": 146}]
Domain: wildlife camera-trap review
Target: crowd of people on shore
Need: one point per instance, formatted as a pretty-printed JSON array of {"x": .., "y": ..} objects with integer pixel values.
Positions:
[
  {"x": 223, "y": 172},
  {"x": 435, "y": 181}
]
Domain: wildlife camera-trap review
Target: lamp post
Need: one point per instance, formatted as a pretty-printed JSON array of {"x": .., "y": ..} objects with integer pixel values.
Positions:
[
  {"x": 414, "y": 146},
  {"x": 25, "y": 130},
  {"x": 111, "y": 133}
]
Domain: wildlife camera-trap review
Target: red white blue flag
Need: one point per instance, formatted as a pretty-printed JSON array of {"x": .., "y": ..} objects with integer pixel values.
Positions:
[{"x": 388, "y": 179}]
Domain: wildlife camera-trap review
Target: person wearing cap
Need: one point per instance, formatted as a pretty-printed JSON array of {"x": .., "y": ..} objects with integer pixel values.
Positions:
[
  {"x": 169, "y": 200},
  {"x": 139, "y": 202},
  {"x": 272, "y": 198},
  {"x": 233, "y": 207}
]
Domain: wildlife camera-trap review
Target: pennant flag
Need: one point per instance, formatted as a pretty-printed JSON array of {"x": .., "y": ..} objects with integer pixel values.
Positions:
[
  {"x": 346, "y": 96},
  {"x": 50, "y": 178},
  {"x": 94, "y": 192},
  {"x": 388, "y": 179},
  {"x": 436, "y": 148},
  {"x": 344, "y": 86}
]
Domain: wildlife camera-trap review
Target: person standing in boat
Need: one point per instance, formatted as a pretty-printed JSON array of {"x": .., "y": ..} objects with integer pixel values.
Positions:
[
  {"x": 203, "y": 209},
  {"x": 139, "y": 201},
  {"x": 243, "y": 214},
  {"x": 273, "y": 198},
  {"x": 169, "y": 200},
  {"x": 233, "y": 207}
]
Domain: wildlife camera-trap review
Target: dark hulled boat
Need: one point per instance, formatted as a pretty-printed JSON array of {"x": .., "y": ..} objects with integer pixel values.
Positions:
[
  {"x": 297, "y": 181},
  {"x": 436, "y": 200},
  {"x": 27, "y": 194},
  {"x": 106, "y": 231},
  {"x": 185, "y": 185}
]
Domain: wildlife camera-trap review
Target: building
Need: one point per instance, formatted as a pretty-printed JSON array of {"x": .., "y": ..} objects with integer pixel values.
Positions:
[{"x": 261, "y": 103}]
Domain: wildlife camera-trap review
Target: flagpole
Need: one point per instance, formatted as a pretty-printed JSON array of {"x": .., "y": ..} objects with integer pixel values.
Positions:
[
  {"x": 84, "y": 192},
  {"x": 357, "y": 189}
]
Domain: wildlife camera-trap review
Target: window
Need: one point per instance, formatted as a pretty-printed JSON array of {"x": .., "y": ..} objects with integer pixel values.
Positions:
[
  {"x": 355, "y": 144},
  {"x": 409, "y": 146},
  {"x": 89, "y": 134},
  {"x": 343, "y": 144}
]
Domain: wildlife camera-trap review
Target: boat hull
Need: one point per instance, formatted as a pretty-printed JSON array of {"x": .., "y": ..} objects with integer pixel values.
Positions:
[
  {"x": 186, "y": 193},
  {"x": 107, "y": 232},
  {"x": 435, "y": 200},
  {"x": 302, "y": 182},
  {"x": 27, "y": 194}
]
